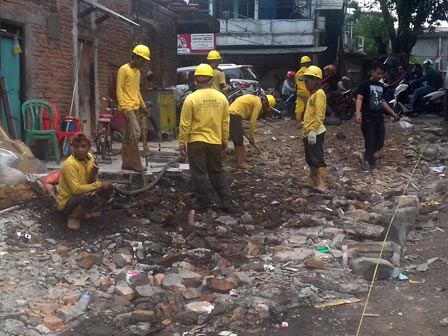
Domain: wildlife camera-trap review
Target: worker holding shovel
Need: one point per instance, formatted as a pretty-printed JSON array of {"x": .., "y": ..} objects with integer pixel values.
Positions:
[
  {"x": 130, "y": 101},
  {"x": 246, "y": 107}
]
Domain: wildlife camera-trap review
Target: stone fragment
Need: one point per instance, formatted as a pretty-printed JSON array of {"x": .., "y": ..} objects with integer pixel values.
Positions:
[
  {"x": 106, "y": 281},
  {"x": 363, "y": 230},
  {"x": 297, "y": 240},
  {"x": 172, "y": 279},
  {"x": 366, "y": 267},
  {"x": 227, "y": 220},
  {"x": 53, "y": 322},
  {"x": 122, "y": 321},
  {"x": 145, "y": 291},
  {"x": 62, "y": 250},
  {"x": 13, "y": 327},
  {"x": 243, "y": 277},
  {"x": 143, "y": 316},
  {"x": 391, "y": 250},
  {"x": 311, "y": 232},
  {"x": 166, "y": 322},
  {"x": 158, "y": 279},
  {"x": 404, "y": 220},
  {"x": 220, "y": 285},
  {"x": 125, "y": 291},
  {"x": 140, "y": 279},
  {"x": 191, "y": 293},
  {"x": 246, "y": 218},
  {"x": 42, "y": 329},
  {"x": 199, "y": 307},
  {"x": 68, "y": 314},
  {"x": 85, "y": 260},
  {"x": 295, "y": 254},
  {"x": 121, "y": 259}
]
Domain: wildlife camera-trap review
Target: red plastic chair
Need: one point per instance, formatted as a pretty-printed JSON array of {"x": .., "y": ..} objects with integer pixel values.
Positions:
[{"x": 65, "y": 127}]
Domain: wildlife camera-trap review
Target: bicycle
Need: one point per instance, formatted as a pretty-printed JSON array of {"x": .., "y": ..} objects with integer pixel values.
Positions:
[{"x": 107, "y": 132}]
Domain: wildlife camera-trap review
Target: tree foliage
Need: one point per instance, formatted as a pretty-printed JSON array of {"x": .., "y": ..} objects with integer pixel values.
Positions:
[
  {"x": 371, "y": 26},
  {"x": 412, "y": 16}
]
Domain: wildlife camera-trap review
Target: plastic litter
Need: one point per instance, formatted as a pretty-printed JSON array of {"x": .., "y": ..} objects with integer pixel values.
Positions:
[
  {"x": 84, "y": 301},
  {"x": 438, "y": 169},
  {"x": 284, "y": 325},
  {"x": 404, "y": 124},
  {"x": 323, "y": 249}
]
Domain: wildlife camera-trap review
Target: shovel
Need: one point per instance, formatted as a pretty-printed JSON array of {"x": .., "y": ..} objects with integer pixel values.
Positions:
[{"x": 263, "y": 155}]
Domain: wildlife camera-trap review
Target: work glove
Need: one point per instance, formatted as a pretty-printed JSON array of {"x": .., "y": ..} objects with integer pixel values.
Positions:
[{"x": 311, "y": 137}]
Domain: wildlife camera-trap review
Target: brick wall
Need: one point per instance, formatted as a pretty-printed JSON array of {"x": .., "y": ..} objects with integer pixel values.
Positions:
[{"x": 48, "y": 55}]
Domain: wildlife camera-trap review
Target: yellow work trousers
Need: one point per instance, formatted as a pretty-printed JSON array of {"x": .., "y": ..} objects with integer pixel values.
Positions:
[{"x": 302, "y": 99}]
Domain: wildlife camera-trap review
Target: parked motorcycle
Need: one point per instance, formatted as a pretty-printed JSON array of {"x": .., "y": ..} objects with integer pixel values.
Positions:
[
  {"x": 433, "y": 102},
  {"x": 342, "y": 105}
]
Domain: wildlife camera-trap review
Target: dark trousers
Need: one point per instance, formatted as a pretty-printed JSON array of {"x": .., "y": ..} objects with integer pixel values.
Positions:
[
  {"x": 206, "y": 161},
  {"x": 374, "y": 132},
  {"x": 236, "y": 130},
  {"x": 89, "y": 201},
  {"x": 314, "y": 154}
]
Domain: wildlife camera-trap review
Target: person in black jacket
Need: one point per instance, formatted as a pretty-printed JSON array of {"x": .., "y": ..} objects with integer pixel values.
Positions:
[{"x": 433, "y": 82}]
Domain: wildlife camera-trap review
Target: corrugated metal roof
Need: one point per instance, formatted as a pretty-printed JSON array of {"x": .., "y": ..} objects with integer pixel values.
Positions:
[{"x": 330, "y": 4}]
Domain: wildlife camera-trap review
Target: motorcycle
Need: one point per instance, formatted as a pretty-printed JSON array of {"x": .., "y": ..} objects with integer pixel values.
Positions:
[
  {"x": 433, "y": 102},
  {"x": 342, "y": 104}
]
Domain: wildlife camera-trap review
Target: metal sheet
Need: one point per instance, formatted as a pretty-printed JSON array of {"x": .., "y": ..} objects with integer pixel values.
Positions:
[{"x": 107, "y": 10}]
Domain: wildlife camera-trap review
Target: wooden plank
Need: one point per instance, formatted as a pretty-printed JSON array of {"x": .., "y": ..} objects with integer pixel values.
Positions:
[{"x": 5, "y": 99}]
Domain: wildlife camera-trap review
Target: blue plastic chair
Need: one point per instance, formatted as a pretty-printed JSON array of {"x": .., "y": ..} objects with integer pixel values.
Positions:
[{"x": 33, "y": 113}]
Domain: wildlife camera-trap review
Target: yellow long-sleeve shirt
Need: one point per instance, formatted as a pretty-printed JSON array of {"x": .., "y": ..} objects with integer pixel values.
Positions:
[
  {"x": 204, "y": 117},
  {"x": 301, "y": 88},
  {"x": 219, "y": 80},
  {"x": 248, "y": 107},
  {"x": 315, "y": 113},
  {"x": 128, "y": 88},
  {"x": 74, "y": 180}
]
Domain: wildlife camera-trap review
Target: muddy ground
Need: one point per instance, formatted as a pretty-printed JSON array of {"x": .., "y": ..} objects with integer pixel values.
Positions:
[{"x": 274, "y": 194}]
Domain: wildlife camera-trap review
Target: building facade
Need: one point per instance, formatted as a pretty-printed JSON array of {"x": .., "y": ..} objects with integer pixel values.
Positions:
[{"x": 71, "y": 50}]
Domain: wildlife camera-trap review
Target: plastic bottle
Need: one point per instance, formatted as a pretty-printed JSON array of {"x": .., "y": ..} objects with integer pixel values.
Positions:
[{"x": 84, "y": 301}]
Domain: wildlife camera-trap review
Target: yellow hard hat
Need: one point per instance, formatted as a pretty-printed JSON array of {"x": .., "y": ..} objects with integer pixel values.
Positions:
[
  {"x": 305, "y": 59},
  {"x": 271, "y": 100},
  {"x": 213, "y": 55},
  {"x": 142, "y": 51},
  {"x": 204, "y": 70},
  {"x": 312, "y": 71}
]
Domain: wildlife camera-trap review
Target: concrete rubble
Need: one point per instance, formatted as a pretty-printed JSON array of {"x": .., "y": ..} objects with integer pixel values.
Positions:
[{"x": 159, "y": 269}]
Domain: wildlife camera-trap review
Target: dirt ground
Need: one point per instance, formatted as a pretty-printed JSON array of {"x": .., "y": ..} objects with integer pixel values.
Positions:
[{"x": 274, "y": 193}]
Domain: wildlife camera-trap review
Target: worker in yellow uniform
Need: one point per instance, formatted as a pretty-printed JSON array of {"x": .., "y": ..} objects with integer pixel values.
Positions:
[
  {"x": 302, "y": 92},
  {"x": 131, "y": 103},
  {"x": 80, "y": 193},
  {"x": 313, "y": 127},
  {"x": 203, "y": 136},
  {"x": 246, "y": 107},
  {"x": 219, "y": 77}
]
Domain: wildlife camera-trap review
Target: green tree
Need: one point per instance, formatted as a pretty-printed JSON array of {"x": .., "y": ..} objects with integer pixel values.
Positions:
[
  {"x": 371, "y": 26},
  {"x": 412, "y": 16}
]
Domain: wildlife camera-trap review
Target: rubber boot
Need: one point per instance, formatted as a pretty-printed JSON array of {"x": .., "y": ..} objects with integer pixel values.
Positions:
[
  {"x": 321, "y": 177},
  {"x": 241, "y": 158},
  {"x": 74, "y": 220},
  {"x": 312, "y": 178}
]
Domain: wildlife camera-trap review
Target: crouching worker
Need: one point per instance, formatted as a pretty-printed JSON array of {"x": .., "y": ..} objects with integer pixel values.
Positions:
[
  {"x": 313, "y": 127},
  {"x": 247, "y": 107},
  {"x": 203, "y": 135},
  {"x": 80, "y": 193}
]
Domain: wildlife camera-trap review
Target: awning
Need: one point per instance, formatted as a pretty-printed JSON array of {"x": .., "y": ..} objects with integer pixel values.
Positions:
[
  {"x": 106, "y": 12},
  {"x": 330, "y": 4},
  {"x": 272, "y": 51}
]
